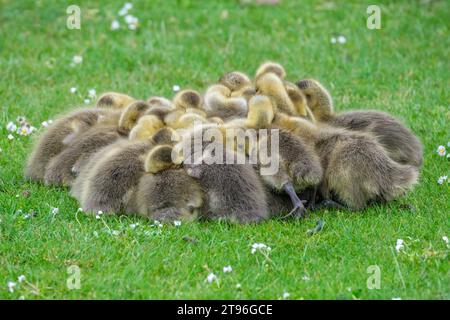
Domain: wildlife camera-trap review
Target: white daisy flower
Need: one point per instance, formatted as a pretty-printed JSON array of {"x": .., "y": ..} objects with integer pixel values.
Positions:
[
  {"x": 442, "y": 179},
  {"x": 87, "y": 101},
  {"x": 441, "y": 151},
  {"x": 77, "y": 59},
  {"x": 177, "y": 223},
  {"x": 305, "y": 278},
  {"x": 115, "y": 232},
  {"x": 399, "y": 245},
  {"x": 128, "y": 6},
  {"x": 115, "y": 25},
  {"x": 333, "y": 40},
  {"x": 11, "y": 126},
  {"x": 22, "y": 298},
  {"x": 286, "y": 295},
  {"x": 132, "y": 26},
  {"x": 238, "y": 286},
  {"x": 341, "y": 39},
  {"x": 21, "y": 278},
  {"x": 129, "y": 19},
  {"x": 134, "y": 225},
  {"x": 227, "y": 269},
  {"x": 211, "y": 278},
  {"x": 10, "y": 137},
  {"x": 123, "y": 12},
  {"x": 396, "y": 298},
  {"x": 260, "y": 247},
  {"x": 176, "y": 88},
  {"x": 45, "y": 124},
  {"x": 73, "y": 90},
  {"x": 92, "y": 93},
  {"x": 99, "y": 213},
  {"x": 11, "y": 286},
  {"x": 158, "y": 224},
  {"x": 25, "y": 130},
  {"x": 445, "y": 238}
]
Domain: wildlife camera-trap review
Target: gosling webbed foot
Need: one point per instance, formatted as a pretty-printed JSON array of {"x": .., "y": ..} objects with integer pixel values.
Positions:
[
  {"x": 299, "y": 210},
  {"x": 329, "y": 204}
]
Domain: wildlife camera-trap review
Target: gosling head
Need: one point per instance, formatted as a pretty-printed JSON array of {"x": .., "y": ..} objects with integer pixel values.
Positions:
[
  {"x": 260, "y": 112},
  {"x": 190, "y": 120},
  {"x": 131, "y": 114},
  {"x": 146, "y": 127},
  {"x": 160, "y": 102},
  {"x": 318, "y": 98},
  {"x": 162, "y": 157},
  {"x": 273, "y": 67},
  {"x": 235, "y": 80},
  {"x": 298, "y": 99},
  {"x": 188, "y": 99},
  {"x": 114, "y": 100},
  {"x": 167, "y": 136}
]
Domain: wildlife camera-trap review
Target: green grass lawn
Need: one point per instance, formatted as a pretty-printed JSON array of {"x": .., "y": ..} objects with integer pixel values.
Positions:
[{"x": 402, "y": 69}]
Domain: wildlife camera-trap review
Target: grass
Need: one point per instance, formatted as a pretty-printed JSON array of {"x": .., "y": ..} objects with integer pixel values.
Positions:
[{"x": 402, "y": 69}]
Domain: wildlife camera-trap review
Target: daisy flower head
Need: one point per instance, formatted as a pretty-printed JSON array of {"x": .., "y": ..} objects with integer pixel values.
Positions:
[
  {"x": 211, "y": 278},
  {"x": 73, "y": 90},
  {"x": 442, "y": 179},
  {"x": 399, "y": 245},
  {"x": 260, "y": 247},
  {"x": 134, "y": 226},
  {"x": 441, "y": 151},
  {"x": 176, "y": 88},
  {"x": 21, "y": 278},
  {"x": 445, "y": 238},
  {"x": 92, "y": 93},
  {"x": 227, "y": 269},
  {"x": 10, "y": 137},
  {"x": 341, "y": 39},
  {"x": 177, "y": 223},
  {"x": 11, "y": 285},
  {"x": 115, "y": 25},
  {"x": 77, "y": 59},
  {"x": 11, "y": 126},
  {"x": 286, "y": 295}
]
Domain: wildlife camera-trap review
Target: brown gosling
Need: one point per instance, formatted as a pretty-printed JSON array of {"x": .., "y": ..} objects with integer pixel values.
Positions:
[
  {"x": 299, "y": 164},
  {"x": 271, "y": 85},
  {"x": 356, "y": 169},
  {"x": 400, "y": 142},
  {"x": 165, "y": 192},
  {"x": 59, "y": 134},
  {"x": 270, "y": 67},
  {"x": 114, "y": 100},
  {"x": 235, "y": 80},
  {"x": 218, "y": 103},
  {"x": 111, "y": 174}
]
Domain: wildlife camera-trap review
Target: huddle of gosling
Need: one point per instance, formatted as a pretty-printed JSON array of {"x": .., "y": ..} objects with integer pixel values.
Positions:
[{"x": 118, "y": 157}]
